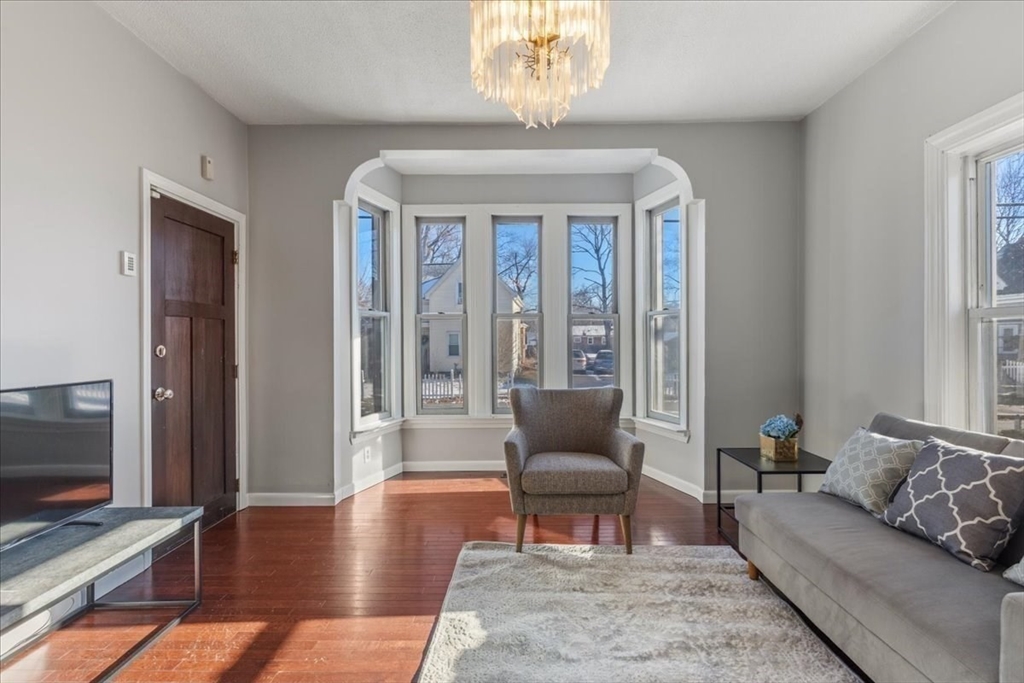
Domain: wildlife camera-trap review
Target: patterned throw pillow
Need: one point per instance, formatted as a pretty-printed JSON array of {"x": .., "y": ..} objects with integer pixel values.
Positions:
[
  {"x": 967, "y": 501},
  {"x": 868, "y": 468},
  {"x": 1015, "y": 573}
]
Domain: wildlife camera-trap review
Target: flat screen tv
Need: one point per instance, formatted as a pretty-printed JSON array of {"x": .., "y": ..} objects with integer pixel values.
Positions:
[{"x": 55, "y": 456}]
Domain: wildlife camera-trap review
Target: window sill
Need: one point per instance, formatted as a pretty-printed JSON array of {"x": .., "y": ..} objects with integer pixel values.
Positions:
[
  {"x": 662, "y": 428},
  {"x": 375, "y": 429},
  {"x": 458, "y": 422}
]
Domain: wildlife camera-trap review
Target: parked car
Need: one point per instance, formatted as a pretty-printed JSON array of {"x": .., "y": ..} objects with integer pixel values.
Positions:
[
  {"x": 604, "y": 362},
  {"x": 579, "y": 361}
]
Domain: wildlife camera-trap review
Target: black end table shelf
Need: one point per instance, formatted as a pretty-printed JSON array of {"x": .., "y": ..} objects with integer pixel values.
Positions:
[{"x": 806, "y": 463}]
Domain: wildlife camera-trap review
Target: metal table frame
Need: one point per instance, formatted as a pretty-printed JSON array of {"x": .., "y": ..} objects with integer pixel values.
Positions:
[
  {"x": 185, "y": 605},
  {"x": 807, "y": 463}
]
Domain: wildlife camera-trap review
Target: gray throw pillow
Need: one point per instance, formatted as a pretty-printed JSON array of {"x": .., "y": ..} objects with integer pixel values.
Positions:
[
  {"x": 1015, "y": 573},
  {"x": 967, "y": 501},
  {"x": 868, "y": 468}
]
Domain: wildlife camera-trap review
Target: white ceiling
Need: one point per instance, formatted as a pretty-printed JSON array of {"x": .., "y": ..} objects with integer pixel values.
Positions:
[{"x": 408, "y": 61}]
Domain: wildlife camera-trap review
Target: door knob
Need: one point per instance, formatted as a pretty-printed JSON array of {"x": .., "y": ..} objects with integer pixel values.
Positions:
[{"x": 162, "y": 394}]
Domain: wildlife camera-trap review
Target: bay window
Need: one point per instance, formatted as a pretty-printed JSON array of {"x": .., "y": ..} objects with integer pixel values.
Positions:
[
  {"x": 996, "y": 318},
  {"x": 441, "y": 315},
  {"x": 374, "y": 318},
  {"x": 664, "y": 331},
  {"x": 516, "y": 330}
]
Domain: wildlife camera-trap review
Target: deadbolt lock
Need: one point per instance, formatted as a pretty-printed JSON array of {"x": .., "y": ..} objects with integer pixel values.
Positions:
[{"x": 160, "y": 351}]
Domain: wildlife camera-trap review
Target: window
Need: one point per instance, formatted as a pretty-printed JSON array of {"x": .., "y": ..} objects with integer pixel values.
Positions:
[
  {"x": 517, "y": 334},
  {"x": 996, "y": 366},
  {"x": 593, "y": 303},
  {"x": 664, "y": 352},
  {"x": 441, "y": 317},
  {"x": 374, "y": 319}
]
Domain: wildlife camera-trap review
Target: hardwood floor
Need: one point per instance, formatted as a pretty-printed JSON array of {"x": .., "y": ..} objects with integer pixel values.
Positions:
[{"x": 330, "y": 595}]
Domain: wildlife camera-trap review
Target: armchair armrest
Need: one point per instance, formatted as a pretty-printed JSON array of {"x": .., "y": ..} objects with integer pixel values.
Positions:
[
  {"x": 517, "y": 450},
  {"x": 1011, "y": 654},
  {"x": 628, "y": 453}
]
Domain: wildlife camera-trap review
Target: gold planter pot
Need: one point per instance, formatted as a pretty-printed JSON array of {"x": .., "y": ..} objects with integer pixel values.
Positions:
[{"x": 779, "y": 449}]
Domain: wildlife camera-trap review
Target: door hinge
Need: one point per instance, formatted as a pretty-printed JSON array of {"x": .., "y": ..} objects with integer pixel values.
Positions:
[
  {"x": 154, "y": 194},
  {"x": 238, "y": 486},
  {"x": 234, "y": 257},
  {"x": 235, "y": 371}
]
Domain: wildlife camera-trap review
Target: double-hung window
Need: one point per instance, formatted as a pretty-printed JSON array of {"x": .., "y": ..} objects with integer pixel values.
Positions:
[
  {"x": 593, "y": 303},
  {"x": 517, "y": 316},
  {"x": 996, "y": 318},
  {"x": 441, "y": 315},
  {"x": 664, "y": 343},
  {"x": 374, "y": 317}
]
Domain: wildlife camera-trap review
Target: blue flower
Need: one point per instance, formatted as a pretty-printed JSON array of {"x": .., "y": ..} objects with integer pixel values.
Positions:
[{"x": 780, "y": 427}]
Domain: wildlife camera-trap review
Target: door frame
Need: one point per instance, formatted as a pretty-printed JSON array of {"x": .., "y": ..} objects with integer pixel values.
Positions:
[{"x": 152, "y": 182}]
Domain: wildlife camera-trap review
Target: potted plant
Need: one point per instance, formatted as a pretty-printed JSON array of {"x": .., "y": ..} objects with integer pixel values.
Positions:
[{"x": 778, "y": 437}]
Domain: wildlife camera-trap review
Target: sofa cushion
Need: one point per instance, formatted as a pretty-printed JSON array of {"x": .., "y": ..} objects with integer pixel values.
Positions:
[
  {"x": 966, "y": 501},
  {"x": 1015, "y": 573},
  {"x": 939, "y": 614},
  {"x": 868, "y": 468},
  {"x": 560, "y": 472}
]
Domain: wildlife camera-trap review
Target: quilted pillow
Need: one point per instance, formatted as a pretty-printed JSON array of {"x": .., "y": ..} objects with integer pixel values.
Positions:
[
  {"x": 1015, "y": 573},
  {"x": 868, "y": 468},
  {"x": 967, "y": 501}
]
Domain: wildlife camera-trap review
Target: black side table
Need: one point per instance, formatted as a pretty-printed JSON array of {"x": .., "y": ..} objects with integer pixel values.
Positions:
[{"x": 806, "y": 463}]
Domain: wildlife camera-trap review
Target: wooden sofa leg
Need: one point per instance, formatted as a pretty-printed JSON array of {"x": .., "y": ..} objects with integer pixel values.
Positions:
[
  {"x": 627, "y": 532},
  {"x": 753, "y": 572},
  {"x": 520, "y": 529}
]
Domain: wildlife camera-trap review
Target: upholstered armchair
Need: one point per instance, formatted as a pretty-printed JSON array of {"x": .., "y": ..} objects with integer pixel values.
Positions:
[{"x": 566, "y": 455}]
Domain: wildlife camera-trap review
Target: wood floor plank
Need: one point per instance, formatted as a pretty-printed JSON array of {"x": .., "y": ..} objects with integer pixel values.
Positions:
[{"x": 321, "y": 594}]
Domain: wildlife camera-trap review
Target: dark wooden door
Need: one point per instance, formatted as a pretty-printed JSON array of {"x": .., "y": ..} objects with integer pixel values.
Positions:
[{"x": 193, "y": 358}]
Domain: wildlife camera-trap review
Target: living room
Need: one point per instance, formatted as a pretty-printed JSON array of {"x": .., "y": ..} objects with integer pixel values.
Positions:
[{"x": 324, "y": 277}]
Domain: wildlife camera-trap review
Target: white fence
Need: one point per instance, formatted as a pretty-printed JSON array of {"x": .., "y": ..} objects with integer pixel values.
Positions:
[
  {"x": 441, "y": 386},
  {"x": 1013, "y": 370}
]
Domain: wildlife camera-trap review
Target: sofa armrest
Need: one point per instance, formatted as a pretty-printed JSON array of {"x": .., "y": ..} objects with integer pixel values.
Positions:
[
  {"x": 628, "y": 453},
  {"x": 1011, "y": 645},
  {"x": 517, "y": 450}
]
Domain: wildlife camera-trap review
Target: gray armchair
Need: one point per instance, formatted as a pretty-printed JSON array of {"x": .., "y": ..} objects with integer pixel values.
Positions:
[{"x": 566, "y": 455}]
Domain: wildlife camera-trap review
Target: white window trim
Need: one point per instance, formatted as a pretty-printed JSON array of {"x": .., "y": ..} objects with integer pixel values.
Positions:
[
  {"x": 949, "y": 204},
  {"x": 392, "y": 257},
  {"x": 477, "y": 342}
]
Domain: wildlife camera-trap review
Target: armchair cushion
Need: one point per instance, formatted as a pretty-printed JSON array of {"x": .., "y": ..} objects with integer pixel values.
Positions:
[{"x": 561, "y": 472}]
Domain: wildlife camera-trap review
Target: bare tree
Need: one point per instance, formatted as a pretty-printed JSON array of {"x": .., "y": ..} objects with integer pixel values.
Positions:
[
  {"x": 595, "y": 289},
  {"x": 517, "y": 261},
  {"x": 440, "y": 243}
]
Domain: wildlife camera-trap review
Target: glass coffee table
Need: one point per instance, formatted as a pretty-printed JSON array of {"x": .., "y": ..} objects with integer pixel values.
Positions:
[{"x": 806, "y": 463}]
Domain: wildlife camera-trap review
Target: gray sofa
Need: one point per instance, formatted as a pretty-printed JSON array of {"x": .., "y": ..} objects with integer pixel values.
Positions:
[{"x": 900, "y": 607}]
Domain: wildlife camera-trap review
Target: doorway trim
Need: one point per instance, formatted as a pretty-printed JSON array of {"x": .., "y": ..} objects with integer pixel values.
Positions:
[{"x": 152, "y": 182}]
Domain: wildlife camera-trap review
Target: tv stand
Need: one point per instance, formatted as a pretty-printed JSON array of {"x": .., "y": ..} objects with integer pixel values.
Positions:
[
  {"x": 43, "y": 571},
  {"x": 81, "y": 522}
]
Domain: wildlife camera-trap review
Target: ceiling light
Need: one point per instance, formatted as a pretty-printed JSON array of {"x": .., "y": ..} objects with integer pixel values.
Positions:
[{"x": 535, "y": 55}]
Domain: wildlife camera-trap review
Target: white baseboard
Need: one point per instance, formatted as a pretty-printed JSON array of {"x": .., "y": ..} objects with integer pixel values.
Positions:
[
  {"x": 675, "y": 482},
  {"x": 374, "y": 479},
  {"x": 454, "y": 466},
  {"x": 291, "y": 499}
]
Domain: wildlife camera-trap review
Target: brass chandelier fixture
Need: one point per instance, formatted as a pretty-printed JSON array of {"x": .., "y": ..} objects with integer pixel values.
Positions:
[{"x": 536, "y": 55}]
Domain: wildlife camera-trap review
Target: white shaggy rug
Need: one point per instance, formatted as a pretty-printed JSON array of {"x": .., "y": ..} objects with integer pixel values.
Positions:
[{"x": 593, "y": 613}]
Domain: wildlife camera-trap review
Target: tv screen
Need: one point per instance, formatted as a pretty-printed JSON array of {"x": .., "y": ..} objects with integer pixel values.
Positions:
[{"x": 55, "y": 456}]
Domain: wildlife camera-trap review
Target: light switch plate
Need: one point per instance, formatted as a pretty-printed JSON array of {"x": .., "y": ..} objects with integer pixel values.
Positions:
[{"x": 129, "y": 264}]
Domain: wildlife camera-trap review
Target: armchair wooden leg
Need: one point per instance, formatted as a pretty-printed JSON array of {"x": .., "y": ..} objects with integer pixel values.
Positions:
[
  {"x": 520, "y": 529},
  {"x": 627, "y": 532},
  {"x": 753, "y": 572}
]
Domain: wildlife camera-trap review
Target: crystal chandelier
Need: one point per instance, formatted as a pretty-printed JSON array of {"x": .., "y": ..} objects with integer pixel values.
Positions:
[{"x": 535, "y": 55}]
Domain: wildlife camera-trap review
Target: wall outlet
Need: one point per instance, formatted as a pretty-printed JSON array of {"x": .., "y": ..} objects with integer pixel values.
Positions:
[{"x": 367, "y": 454}]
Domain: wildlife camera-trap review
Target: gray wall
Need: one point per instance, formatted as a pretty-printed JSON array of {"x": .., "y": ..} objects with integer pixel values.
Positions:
[
  {"x": 749, "y": 173},
  {"x": 864, "y": 210},
  {"x": 83, "y": 107},
  {"x": 510, "y": 189}
]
